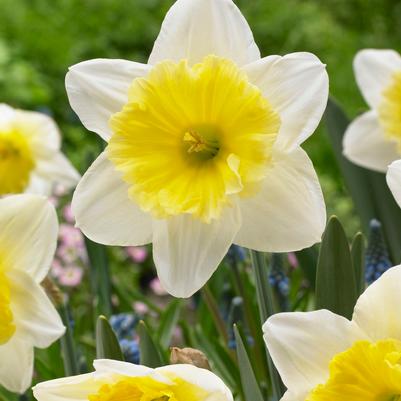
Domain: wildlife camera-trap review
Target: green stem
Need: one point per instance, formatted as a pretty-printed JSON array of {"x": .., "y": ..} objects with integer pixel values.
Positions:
[
  {"x": 100, "y": 278},
  {"x": 253, "y": 325},
  {"x": 67, "y": 344},
  {"x": 266, "y": 309},
  {"x": 214, "y": 310}
]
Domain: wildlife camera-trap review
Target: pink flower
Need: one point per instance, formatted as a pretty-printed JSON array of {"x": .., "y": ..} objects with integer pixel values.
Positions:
[
  {"x": 56, "y": 268},
  {"x": 292, "y": 259},
  {"x": 157, "y": 288},
  {"x": 70, "y": 235},
  {"x": 71, "y": 276},
  {"x": 137, "y": 253},
  {"x": 67, "y": 214},
  {"x": 140, "y": 308}
]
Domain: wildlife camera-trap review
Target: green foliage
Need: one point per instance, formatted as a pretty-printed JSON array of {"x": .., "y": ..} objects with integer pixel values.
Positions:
[
  {"x": 336, "y": 286},
  {"x": 150, "y": 353},
  {"x": 107, "y": 346},
  {"x": 248, "y": 380}
]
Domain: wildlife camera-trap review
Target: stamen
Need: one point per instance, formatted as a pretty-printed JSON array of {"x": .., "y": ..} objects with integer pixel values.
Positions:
[{"x": 199, "y": 144}]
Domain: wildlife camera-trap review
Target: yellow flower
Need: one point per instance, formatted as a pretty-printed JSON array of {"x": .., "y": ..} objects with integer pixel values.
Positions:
[
  {"x": 28, "y": 238},
  {"x": 114, "y": 380},
  {"x": 203, "y": 145},
  {"x": 373, "y": 140},
  {"x": 323, "y": 357},
  {"x": 30, "y": 157}
]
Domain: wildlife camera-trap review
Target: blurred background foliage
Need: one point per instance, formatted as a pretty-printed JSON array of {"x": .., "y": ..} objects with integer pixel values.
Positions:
[{"x": 39, "y": 39}]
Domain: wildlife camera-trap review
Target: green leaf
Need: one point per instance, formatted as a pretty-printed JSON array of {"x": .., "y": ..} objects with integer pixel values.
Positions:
[
  {"x": 149, "y": 354},
  {"x": 369, "y": 190},
  {"x": 248, "y": 380},
  {"x": 307, "y": 259},
  {"x": 358, "y": 261},
  {"x": 168, "y": 322},
  {"x": 107, "y": 345},
  {"x": 335, "y": 280}
]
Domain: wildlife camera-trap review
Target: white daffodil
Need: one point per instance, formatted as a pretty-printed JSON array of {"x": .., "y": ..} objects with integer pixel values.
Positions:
[
  {"x": 394, "y": 180},
  {"x": 323, "y": 357},
  {"x": 203, "y": 145},
  {"x": 373, "y": 140},
  {"x": 114, "y": 380},
  {"x": 30, "y": 157},
  {"x": 28, "y": 238}
]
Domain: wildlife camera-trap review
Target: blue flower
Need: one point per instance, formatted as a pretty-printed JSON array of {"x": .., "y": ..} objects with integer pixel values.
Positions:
[
  {"x": 377, "y": 259},
  {"x": 130, "y": 349}
]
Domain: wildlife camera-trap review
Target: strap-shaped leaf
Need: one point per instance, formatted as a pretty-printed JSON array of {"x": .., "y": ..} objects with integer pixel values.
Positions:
[
  {"x": 107, "y": 345},
  {"x": 249, "y": 383},
  {"x": 149, "y": 353},
  {"x": 336, "y": 288}
]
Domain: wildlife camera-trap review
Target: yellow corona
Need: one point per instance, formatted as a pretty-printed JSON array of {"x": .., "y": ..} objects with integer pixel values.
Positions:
[
  {"x": 7, "y": 326},
  {"x": 191, "y": 136},
  {"x": 16, "y": 161},
  {"x": 145, "y": 388},
  {"x": 390, "y": 110},
  {"x": 365, "y": 372}
]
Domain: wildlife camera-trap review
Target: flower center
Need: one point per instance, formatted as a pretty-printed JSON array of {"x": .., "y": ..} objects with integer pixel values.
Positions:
[
  {"x": 7, "y": 326},
  {"x": 191, "y": 137},
  {"x": 365, "y": 372},
  {"x": 203, "y": 141},
  {"x": 390, "y": 110},
  {"x": 144, "y": 388},
  {"x": 16, "y": 162}
]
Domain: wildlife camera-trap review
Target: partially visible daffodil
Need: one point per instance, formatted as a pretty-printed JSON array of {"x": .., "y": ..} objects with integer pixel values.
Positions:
[
  {"x": 114, "y": 380},
  {"x": 203, "y": 145},
  {"x": 30, "y": 156},
  {"x": 373, "y": 140},
  {"x": 28, "y": 238},
  {"x": 323, "y": 357},
  {"x": 394, "y": 180}
]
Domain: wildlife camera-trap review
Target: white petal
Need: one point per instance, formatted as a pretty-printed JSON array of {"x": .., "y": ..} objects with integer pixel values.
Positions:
[
  {"x": 16, "y": 367},
  {"x": 393, "y": 178},
  {"x": 28, "y": 235},
  {"x": 302, "y": 345},
  {"x": 75, "y": 388},
  {"x": 103, "y": 210},
  {"x": 36, "y": 319},
  {"x": 373, "y": 70},
  {"x": 99, "y": 88},
  {"x": 290, "y": 396},
  {"x": 297, "y": 87},
  {"x": 7, "y": 115},
  {"x": 288, "y": 213},
  {"x": 203, "y": 378},
  {"x": 43, "y": 132},
  {"x": 377, "y": 311},
  {"x": 365, "y": 145},
  {"x": 56, "y": 169},
  {"x": 193, "y": 29},
  {"x": 110, "y": 367},
  {"x": 187, "y": 251}
]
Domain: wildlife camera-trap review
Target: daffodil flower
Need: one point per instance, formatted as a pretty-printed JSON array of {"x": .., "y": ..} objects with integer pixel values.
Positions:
[
  {"x": 373, "y": 140},
  {"x": 393, "y": 178},
  {"x": 203, "y": 145},
  {"x": 114, "y": 380},
  {"x": 28, "y": 238},
  {"x": 322, "y": 356},
  {"x": 30, "y": 156}
]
